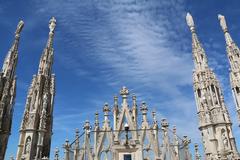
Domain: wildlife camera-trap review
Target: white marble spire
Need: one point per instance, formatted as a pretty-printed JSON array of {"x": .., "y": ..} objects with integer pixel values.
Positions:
[
  {"x": 10, "y": 61},
  {"x": 8, "y": 90},
  {"x": 45, "y": 65},
  {"x": 36, "y": 128},
  {"x": 223, "y": 25},
  {"x": 199, "y": 56},
  {"x": 190, "y": 22},
  {"x": 233, "y": 54}
]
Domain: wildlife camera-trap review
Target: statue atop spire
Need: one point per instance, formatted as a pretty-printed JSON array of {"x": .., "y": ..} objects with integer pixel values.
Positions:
[
  {"x": 52, "y": 24},
  {"x": 19, "y": 27},
  {"x": 223, "y": 23},
  {"x": 190, "y": 22},
  {"x": 124, "y": 91}
]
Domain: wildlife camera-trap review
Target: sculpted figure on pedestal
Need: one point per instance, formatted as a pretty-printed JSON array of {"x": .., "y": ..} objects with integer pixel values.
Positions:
[
  {"x": 225, "y": 140},
  {"x": 28, "y": 145}
]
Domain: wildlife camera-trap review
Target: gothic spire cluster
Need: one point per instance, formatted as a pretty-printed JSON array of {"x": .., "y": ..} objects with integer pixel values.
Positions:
[
  {"x": 128, "y": 131},
  {"x": 214, "y": 120}
]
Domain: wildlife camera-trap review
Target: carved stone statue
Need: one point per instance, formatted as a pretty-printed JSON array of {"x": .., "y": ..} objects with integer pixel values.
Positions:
[
  {"x": 45, "y": 101},
  {"x": 225, "y": 140},
  {"x": 52, "y": 24},
  {"x": 28, "y": 145},
  {"x": 189, "y": 20},
  {"x": 44, "y": 111},
  {"x": 124, "y": 91},
  {"x": 31, "y": 120},
  {"x": 222, "y": 22},
  {"x": 207, "y": 118},
  {"x": 19, "y": 27},
  {"x": 25, "y": 119}
]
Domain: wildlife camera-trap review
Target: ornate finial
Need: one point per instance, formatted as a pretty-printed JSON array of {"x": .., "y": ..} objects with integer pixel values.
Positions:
[
  {"x": 66, "y": 145},
  {"x": 174, "y": 129},
  {"x": 144, "y": 108},
  {"x": 76, "y": 138},
  {"x": 77, "y": 132},
  {"x": 124, "y": 91},
  {"x": 154, "y": 116},
  {"x": 186, "y": 141},
  {"x": 115, "y": 101},
  {"x": 56, "y": 154},
  {"x": 19, "y": 27},
  {"x": 223, "y": 23},
  {"x": 67, "y": 141},
  {"x": 96, "y": 119},
  {"x": 87, "y": 126},
  {"x": 106, "y": 108},
  {"x": 134, "y": 98},
  {"x": 164, "y": 123},
  {"x": 190, "y": 22},
  {"x": 52, "y": 24}
]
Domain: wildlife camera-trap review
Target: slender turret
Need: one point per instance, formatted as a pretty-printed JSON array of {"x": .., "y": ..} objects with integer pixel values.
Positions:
[
  {"x": 214, "y": 121},
  {"x": 8, "y": 91},
  {"x": 36, "y": 126},
  {"x": 233, "y": 54}
]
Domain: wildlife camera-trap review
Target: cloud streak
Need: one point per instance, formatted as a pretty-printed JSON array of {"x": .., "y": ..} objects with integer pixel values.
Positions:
[{"x": 132, "y": 42}]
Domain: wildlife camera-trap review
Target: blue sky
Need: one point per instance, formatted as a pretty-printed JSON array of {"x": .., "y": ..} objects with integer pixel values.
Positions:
[{"x": 102, "y": 45}]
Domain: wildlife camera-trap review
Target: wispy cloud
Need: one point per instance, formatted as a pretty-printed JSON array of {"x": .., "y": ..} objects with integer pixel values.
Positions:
[{"x": 132, "y": 42}]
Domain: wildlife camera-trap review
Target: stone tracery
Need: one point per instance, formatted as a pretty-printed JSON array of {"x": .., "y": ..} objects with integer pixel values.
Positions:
[{"x": 139, "y": 140}]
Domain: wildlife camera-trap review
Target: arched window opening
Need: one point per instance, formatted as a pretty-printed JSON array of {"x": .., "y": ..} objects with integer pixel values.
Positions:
[
  {"x": 213, "y": 89},
  {"x": 202, "y": 57},
  {"x": 199, "y": 93},
  {"x": 237, "y": 90}
]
